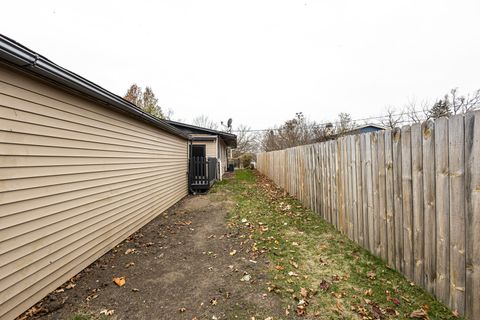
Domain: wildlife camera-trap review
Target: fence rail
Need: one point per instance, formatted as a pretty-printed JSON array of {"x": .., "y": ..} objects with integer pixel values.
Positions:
[{"x": 410, "y": 196}]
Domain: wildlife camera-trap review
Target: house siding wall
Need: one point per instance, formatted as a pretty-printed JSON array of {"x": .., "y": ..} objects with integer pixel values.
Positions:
[
  {"x": 76, "y": 179},
  {"x": 210, "y": 146},
  {"x": 222, "y": 150}
]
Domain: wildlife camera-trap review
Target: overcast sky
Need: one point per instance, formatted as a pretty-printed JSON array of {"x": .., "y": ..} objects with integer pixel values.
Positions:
[{"x": 259, "y": 62}]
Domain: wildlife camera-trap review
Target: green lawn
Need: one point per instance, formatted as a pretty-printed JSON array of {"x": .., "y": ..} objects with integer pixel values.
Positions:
[{"x": 314, "y": 269}]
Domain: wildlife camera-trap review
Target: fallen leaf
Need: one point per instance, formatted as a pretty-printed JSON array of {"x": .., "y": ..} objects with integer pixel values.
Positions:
[
  {"x": 130, "y": 264},
  {"x": 279, "y": 267},
  {"x": 120, "y": 281},
  {"x": 107, "y": 312},
  {"x": 182, "y": 310},
  {"x": 233, "y": 252},
  {"x": 246, "y": 277},
  {"x": 371, "y": 275},
  {"x": 339, "y": 305},
  {"x": 419, "y": 314},
  {"x": 71, "y": 285},
  {"x": 304, "y": 292},
  {"x": 292, "y": 274},
  {"x": 324, "y": 285},
  {"x": 293, "y": 263},
  {"x": 91, "y": 297},
  {"x": 135, "y": 290},
  {"x": 130, "y": 251},
  {"x": 36, "y": 310}
]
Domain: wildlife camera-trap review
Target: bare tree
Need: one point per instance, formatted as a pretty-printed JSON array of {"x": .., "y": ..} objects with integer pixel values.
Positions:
[
  {"x": 246, "y": 141},
  {"x": 393, "y": 118},
  {"x": 270, "y": 141},
  {"x": 294, "y": 132},
  {"x": 204, "y": 122},
  {"x": 417, "y": 112},
  {"x": 169, "y": 114},
  {"x": 462, "y": 104}
]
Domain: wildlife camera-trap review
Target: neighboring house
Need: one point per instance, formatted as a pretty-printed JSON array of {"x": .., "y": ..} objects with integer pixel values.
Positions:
[
  {"x": 80, "y": 170},
  {"x": 365, "y": 128},
  {"x": 209, "y": 144}
]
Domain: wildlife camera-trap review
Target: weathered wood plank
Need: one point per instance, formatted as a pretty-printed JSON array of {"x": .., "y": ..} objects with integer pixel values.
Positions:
[
  {"x": 417, "y": 204},
  {"x": 328, "y": 181},
  {"x": 369, "y": 183},
  {"x": 472, "y": 213},
  {"x": 456, "y": 163},
  {"x": 353, "y": 174},
  {"x": 351, "y": 183},
  {"x": 359, "y": 191},
  {"x": 319, "y": 203},
  {"x": 397, "y": 198},
  {"x": 407, "y": 203},
  {"x": 442, "y": 288},
  {"x": 363, "y": 152},
  {"x": 348, "y": 185},
  {"x": 430, "y": 220},
  {"x": 333, "y": 155},
  {"x": 375, "y": 191},
  {"x": 340, "y": 187},
  {"x": 382, "y": 209},
  {"x": 324, "y": 181}
]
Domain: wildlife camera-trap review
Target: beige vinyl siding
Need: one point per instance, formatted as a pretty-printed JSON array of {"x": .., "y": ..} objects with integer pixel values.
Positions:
[
  {"x": 76, "y": 179},
  {"x": 210, "y": 146},
  {"x": 222, "y": 150}
]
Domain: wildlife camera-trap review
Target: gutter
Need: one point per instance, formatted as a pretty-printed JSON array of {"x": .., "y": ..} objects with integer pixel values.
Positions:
[{"x": 26, "y": 59}]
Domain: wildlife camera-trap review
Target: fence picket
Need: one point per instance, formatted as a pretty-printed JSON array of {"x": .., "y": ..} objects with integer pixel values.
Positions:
[
  {"x": 442, "y": 206},
  {"x": 365, "y": 219},
  {"x": 375, "y": 191},
  {"x": 430, "y": 235},
  {"x": 417, "y": 204},
  {"x": 389, "y": 199},
  {"x": 472, "y": 213},
  {"x": 397, "y": 199},
  {"x": 407, "y": 214},
  {"x": 353, "y": 187},
  {"x": 382, "y": 210},
  {"x": 456, "y": 162},
  {"x": 359, "y": 175}
]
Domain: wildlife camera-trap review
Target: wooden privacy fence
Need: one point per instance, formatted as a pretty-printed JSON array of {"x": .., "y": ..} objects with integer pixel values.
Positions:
[{"x": 410, "y": 196}]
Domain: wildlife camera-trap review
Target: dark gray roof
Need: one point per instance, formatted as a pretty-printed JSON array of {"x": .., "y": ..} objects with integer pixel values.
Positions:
[
  {"x": 26, "y": 59},
  {"x": 229, "y": 138}
]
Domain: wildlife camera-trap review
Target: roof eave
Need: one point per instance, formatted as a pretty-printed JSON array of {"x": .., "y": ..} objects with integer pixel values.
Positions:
[{"x": 31, "y": 61}]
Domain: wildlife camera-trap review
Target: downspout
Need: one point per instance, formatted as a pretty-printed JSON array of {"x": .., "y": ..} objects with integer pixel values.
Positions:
[{"x": 189, "y": 149}]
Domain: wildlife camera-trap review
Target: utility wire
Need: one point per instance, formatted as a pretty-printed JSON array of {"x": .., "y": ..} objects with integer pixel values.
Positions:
[{"x": 325, "y": 124}]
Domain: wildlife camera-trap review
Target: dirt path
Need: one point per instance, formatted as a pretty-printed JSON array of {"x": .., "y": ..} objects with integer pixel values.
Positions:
[{"x": 183, "y": 265}]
